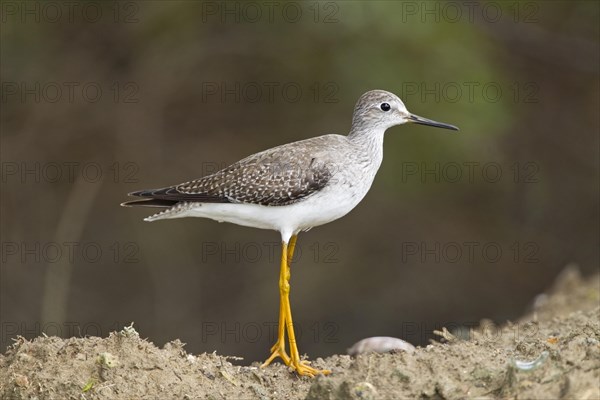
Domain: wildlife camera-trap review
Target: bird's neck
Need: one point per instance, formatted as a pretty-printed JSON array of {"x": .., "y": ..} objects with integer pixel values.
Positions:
[{"x": 369, "y": 140}]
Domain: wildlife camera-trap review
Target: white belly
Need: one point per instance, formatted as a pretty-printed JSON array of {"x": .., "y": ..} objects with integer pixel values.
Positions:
[{"x": 325, "y": 206}]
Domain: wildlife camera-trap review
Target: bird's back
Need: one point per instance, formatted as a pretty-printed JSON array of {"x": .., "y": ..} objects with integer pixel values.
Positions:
[{"x": 282, "y": 175}]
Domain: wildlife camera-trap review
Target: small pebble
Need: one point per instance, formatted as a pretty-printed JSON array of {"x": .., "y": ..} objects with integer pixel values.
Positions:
[
  {"x": 380, "y": 344},
  {"x": 21, "y": 380}
]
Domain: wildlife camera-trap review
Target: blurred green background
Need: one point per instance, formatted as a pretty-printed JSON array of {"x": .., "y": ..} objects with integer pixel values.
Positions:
[{"x": 105, "y": 98}]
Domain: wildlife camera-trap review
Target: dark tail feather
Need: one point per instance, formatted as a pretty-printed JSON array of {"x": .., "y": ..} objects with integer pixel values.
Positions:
[{"x": 149, "y": 203}]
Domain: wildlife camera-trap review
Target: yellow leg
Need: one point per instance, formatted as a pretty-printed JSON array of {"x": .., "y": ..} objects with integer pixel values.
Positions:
[
  {"x": 285, "y": 319},
  {"x": 278, "y": 349}
]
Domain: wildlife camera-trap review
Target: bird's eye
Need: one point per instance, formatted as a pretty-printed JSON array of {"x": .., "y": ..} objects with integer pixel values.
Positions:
[{"x": 385, "y": 106}]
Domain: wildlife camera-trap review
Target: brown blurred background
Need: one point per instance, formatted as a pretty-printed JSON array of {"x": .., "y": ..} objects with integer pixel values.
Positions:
[{"x": 102, "y": 98}]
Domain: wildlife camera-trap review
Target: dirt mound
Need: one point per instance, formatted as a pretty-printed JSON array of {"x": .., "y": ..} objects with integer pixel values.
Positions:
[{"x": 552, "y": 353}]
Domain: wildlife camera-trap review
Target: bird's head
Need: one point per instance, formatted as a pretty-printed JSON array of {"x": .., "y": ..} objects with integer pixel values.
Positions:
[{"x": 381, "y": 109}]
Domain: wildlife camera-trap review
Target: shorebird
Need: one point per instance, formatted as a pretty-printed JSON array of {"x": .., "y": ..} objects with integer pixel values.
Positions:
[{"x": 292, "y": 188}]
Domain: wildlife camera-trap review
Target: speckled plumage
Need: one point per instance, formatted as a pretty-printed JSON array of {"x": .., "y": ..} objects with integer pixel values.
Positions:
[{"x": 279, "y": 176}]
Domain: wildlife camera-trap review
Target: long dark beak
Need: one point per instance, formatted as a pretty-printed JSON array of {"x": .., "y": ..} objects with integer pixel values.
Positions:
[{"x": 424, "y": 121}]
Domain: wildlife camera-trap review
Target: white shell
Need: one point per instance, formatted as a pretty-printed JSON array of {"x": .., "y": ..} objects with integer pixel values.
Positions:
[{"x": 380, "y": 344}]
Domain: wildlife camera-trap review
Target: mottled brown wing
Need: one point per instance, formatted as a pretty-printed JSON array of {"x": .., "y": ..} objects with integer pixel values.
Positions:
[{"x": 275, "y": 177}]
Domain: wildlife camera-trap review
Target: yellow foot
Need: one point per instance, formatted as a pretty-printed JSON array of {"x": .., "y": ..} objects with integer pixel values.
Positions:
[
  {"x": 303, "y": 369},
  {"x": 278, "y": 350}
]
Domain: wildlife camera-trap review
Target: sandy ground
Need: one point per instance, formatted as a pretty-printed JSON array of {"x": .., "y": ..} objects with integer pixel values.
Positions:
[{"x": 552, "y": 353}]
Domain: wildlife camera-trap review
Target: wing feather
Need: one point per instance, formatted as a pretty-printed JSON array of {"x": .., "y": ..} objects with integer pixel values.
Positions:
[{"x": 280, "y": 176}]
